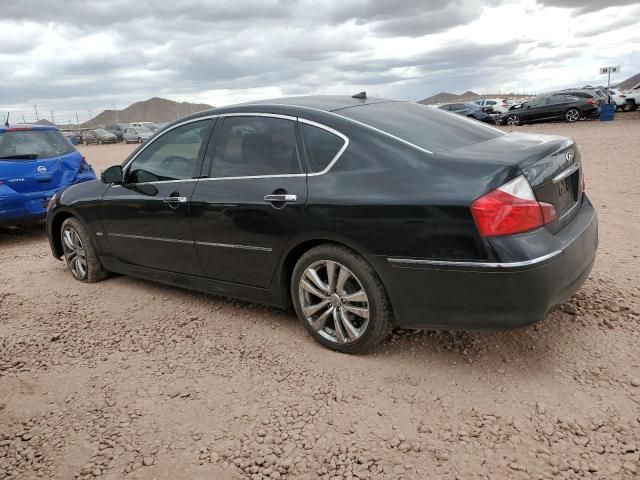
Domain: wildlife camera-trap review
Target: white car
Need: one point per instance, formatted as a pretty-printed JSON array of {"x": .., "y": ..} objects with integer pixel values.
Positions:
[
  {"x": 495, "y": 105},
  {"x": 136, "y": 135},
  {"x": 632, "y": 98},
  {"x": 148, "y": 125}
]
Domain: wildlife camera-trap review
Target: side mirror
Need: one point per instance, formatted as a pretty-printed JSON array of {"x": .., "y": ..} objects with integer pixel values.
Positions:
[{"x": 112, "y": 175}]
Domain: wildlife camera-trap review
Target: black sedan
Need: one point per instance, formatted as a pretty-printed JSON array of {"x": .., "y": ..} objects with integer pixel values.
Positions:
[
  {"x": 551, "y": 107},
  {"x": 470, "y": 110},
  {"x": 364, "y": 214}
]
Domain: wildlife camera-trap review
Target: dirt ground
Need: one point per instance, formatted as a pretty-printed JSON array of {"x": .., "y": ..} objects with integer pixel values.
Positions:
[{"x": 130, "y": 379}]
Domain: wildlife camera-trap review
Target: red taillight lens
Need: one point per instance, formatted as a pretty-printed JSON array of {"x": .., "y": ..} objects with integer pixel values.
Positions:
[
  {"x": 511, "y": 209},
  {"x": 591, "y": 101}
]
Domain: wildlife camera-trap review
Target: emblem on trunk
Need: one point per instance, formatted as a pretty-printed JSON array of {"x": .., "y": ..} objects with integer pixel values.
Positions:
[
  {"x": 41, "y": 169},
  {"x": 569, "y": 156}
]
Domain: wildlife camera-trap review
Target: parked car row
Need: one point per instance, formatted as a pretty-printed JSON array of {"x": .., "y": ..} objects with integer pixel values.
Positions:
[{"x": 135, "y": 132}]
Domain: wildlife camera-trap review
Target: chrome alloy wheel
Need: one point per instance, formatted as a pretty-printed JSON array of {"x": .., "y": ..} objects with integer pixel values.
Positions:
[
  {"x": 74, "y": 253},
  {"x": 334, "y": 302},
  {"x": 572, "y": 115},
  {"x": 513, "y": 120}
]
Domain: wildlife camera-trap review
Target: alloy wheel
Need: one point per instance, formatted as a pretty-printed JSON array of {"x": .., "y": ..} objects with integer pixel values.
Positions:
[
  {"x": 334, "y": 302},
  {"x": 74, "y": 253},
  {"x": 572, "y": 115},
  {"x": 513, "y": 120}
]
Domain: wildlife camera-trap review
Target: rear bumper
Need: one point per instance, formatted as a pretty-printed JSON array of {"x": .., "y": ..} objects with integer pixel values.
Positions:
[
  {"x": 18, "y": 208},
  {"x": 536, "y": 271}
]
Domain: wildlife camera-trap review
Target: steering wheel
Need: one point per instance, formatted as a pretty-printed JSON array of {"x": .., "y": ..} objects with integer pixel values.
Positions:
[{"x": 172, "y": 160}]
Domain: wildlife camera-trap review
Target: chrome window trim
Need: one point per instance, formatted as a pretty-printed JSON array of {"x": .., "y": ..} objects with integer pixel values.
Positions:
[
  {"x": 344, "y": 138},
  {"x": 453, "y": 263},
  {"x": 249, "y": 177}
]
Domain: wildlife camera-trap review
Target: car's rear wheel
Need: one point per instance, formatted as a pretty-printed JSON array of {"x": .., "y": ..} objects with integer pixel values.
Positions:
[
  {"x": 139, "y": 140},
  {"x": 572, "y": 115},
  {"x": 79, "y": 253},
  {"x": 513, "y": 120},
  {"x": 340, "y": 299}
]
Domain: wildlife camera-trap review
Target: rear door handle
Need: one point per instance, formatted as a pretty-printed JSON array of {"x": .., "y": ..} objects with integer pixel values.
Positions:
[
  {"x": 283, "y": 197},
  {"x": 175, "y": 200}
]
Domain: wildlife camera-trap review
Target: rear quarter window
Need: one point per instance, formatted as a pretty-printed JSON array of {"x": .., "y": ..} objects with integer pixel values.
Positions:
[
  {"x": 322, "y": 147},
  {"x": 426, "y": 127},
  {"x": 42, "y": 143}
]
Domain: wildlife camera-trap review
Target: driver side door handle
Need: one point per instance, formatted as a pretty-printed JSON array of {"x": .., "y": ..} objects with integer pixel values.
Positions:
[
  {"x": 281, "y": 197},
  {"x": 175, "y": 200}
]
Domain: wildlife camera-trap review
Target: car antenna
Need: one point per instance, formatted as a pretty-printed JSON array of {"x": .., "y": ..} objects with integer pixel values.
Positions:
[
  {"x": 6, "y": 123},
  {"x": 361, "y": 95}
]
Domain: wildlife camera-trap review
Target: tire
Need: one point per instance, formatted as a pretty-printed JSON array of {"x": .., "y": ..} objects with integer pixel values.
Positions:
[
  {"x": 355, "y": 333},
  {"x": 99, "y": 142},
  {"x": 139, "y": 140},
  {"x": 79, "y": 253},
  {"x": 85, "y": 143},
  {"x": 124, "y": 141},
  {"x": 513, "y": 120},
  {"x": 572, "y": 115}
]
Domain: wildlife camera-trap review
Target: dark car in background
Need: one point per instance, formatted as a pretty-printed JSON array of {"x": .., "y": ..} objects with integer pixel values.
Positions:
[
  {"x": 98, "y": 136},
  {"x": 470, "y": 110},
  {"x": 118, "y": 130},
  {"x": 599, "y": 97},
  {"x": 36, "y": 162},
  {"x": 550, "y": 107},
  {"x": 364, "y": 214}
]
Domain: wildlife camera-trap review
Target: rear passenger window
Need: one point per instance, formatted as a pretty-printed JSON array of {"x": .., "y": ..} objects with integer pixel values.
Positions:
[
  {"x": 256, "y": 146},
  {"x": 322, "y": 145}
]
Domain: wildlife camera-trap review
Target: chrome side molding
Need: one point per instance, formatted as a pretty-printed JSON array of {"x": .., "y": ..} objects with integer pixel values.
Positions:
[{"x": 407, "y": 262}]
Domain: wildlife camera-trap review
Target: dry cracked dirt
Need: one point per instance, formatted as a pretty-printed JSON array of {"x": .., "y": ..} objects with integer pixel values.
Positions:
[{"x": 130, "y": 379}]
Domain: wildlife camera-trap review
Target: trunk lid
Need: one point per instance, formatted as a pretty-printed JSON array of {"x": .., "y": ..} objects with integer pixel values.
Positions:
[{"x": 551, "y": 164}]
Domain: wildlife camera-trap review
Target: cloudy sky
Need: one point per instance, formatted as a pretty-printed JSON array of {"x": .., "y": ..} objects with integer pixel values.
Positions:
[{"x": 81, "y": 55}]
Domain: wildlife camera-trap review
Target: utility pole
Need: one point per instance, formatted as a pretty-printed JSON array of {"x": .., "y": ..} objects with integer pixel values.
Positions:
[
  {"x": 90, "y": 115},
  {"x": 35, "y": 107},
  {"x": 23, "y": 120},
  {"x": 77, "y": 121},
  {"x": 53, "y": 118}
]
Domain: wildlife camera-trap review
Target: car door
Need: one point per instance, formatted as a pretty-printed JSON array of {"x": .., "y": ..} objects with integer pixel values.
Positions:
[
  {"x": 557, "y": 105},
  {"x": 244, "y": 212},
  {"x": 146, "y": 219},
  {"x": 534, "y": 109}
]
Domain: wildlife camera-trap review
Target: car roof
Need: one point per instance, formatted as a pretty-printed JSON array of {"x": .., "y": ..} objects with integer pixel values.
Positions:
[
  {"x": 327, "y": 103},
  {"x": 25, "y": 127}
]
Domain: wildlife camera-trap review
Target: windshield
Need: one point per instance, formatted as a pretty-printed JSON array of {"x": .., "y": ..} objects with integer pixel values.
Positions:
[
  {"x": 426, "y": 127},
  {"x": 32, "y": 144},
  {"x": 100, "y": 131}
]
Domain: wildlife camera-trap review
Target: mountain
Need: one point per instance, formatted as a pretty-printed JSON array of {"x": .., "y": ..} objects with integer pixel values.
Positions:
[
  {"x": 446, "y": 97},
  {"x": 44, "y": 121},
  {"x": 630, "y": 82},
  {"x": 159, "y": 110}
]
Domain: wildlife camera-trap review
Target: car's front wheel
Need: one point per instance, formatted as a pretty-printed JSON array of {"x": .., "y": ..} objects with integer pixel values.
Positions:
[
  {"x": 340, "y": 299},
  {"x": 79, "y": 253},
  {"x": 572, "y": 115},
  {"x": 513, "y": 120}
]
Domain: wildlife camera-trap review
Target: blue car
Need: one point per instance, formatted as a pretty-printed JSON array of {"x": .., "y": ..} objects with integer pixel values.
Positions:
[{"x": 36, "y": 162}]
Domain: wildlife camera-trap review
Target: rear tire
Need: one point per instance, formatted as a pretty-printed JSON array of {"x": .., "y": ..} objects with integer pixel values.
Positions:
[
  {"x": 139, "y": 140},
  {"x": 352, "y": 295},
  {"x": 79, "y": 253},
  {"x": 572, "y": 115}
]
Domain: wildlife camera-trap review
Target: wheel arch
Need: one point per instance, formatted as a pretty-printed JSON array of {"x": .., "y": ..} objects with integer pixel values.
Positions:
[
  {"x": 54, "y": 226},
  {"x": 299, "y": 246}
]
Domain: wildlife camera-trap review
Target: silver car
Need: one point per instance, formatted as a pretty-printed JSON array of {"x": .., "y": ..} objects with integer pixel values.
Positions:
[{"x": 136, "y": 134}]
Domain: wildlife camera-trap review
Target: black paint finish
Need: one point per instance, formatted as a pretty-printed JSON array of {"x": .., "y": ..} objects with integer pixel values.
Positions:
[{"x": 384, "y": 198}]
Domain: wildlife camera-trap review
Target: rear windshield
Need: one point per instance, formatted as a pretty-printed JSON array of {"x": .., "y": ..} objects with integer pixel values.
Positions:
[
  {"x": 427, "y": 127},
  {"x": 32, "y": 144}
]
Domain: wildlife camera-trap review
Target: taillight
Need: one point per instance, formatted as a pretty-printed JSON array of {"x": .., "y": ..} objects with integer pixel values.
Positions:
[
  {"x": 591, "y": 101},
  {"x": 511, "y": 209}
]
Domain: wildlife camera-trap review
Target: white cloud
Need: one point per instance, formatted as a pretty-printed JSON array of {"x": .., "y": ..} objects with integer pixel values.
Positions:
[{"x": 229, "y": 51}]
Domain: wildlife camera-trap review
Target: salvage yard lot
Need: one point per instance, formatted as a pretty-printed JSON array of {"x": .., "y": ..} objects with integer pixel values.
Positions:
[{"x": 131, "y": 379}]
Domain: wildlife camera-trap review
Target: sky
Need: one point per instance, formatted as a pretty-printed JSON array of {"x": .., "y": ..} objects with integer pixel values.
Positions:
[{"x": 86, "y": 56}]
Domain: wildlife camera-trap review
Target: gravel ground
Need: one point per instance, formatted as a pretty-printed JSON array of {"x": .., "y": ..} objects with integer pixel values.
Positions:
[{"x": 130, "y": 379}]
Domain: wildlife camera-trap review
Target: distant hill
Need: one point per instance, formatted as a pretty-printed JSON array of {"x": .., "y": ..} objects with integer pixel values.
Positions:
[
  {"x": 44, "y": 121},
  {"x": 446, "y": 97},
  {"x": 468, "y": 96},
  {"x": 630, "y": 82},
  {"x": 155, "y": 109}
]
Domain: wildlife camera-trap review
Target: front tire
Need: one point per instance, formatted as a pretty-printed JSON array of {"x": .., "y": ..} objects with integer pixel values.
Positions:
[
  {"x": 572, "y": 115},
  {"x": 79, "y": 253},
  {"x": 340, "y": 299},
  {"x": 513, "y": 120}
]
